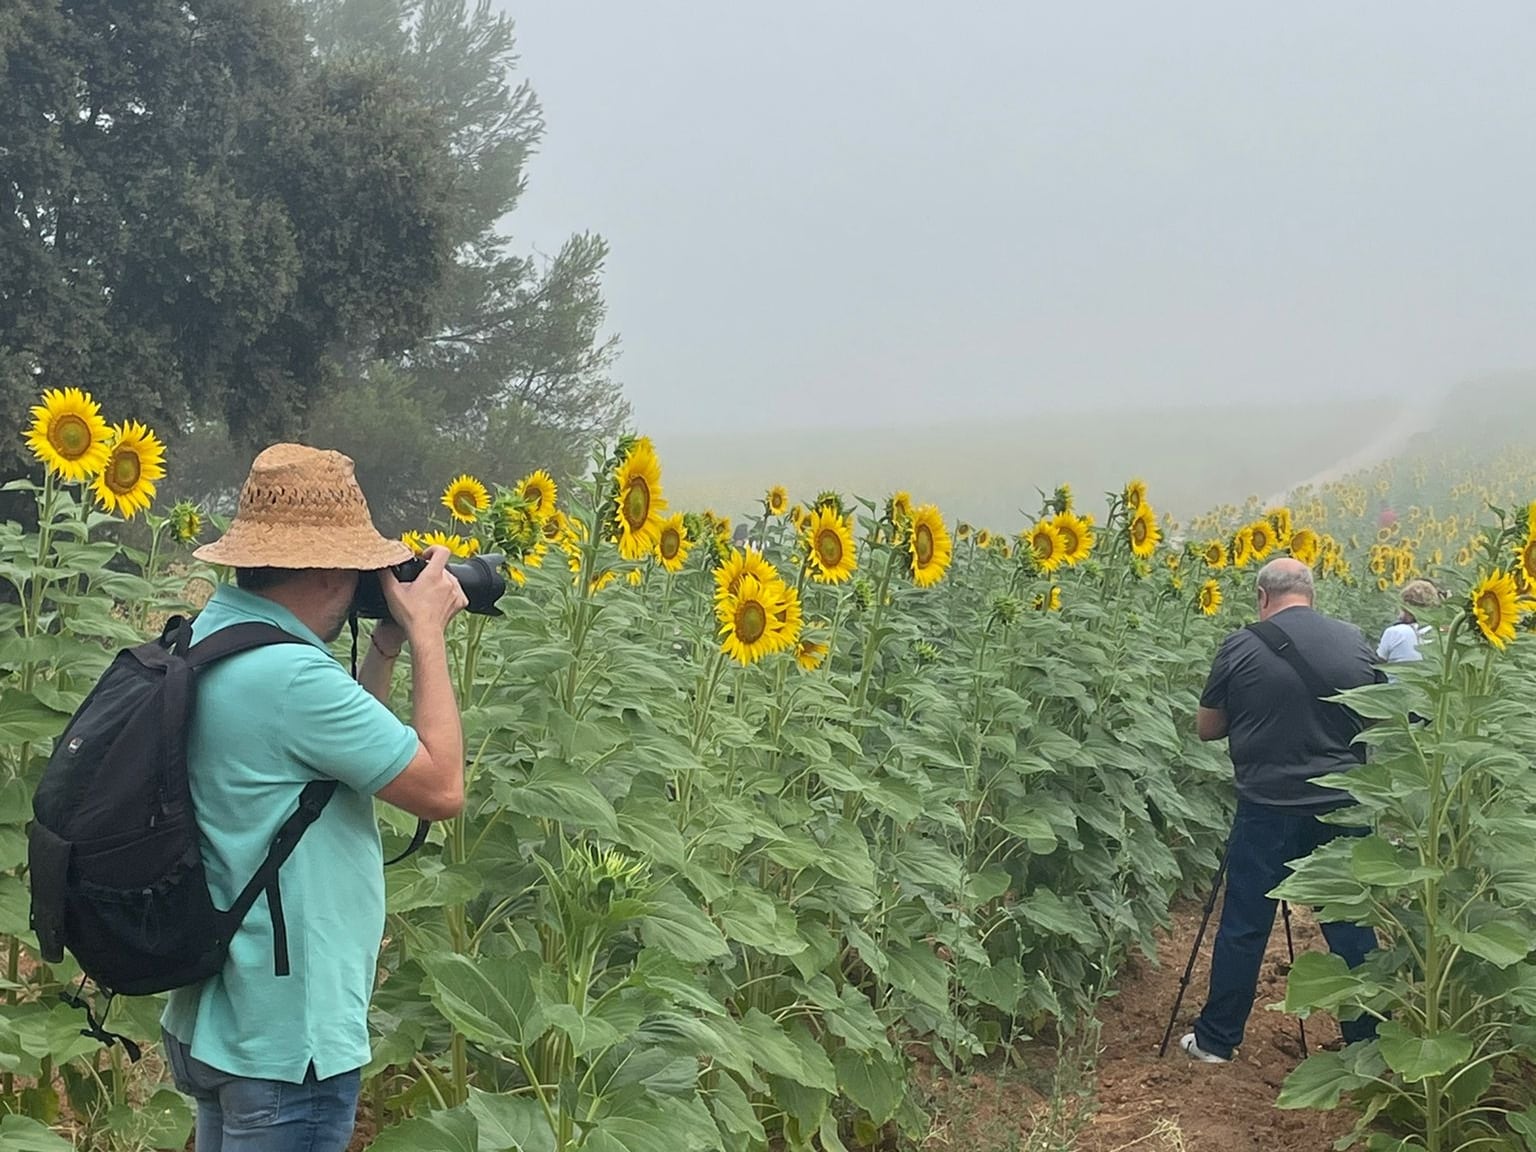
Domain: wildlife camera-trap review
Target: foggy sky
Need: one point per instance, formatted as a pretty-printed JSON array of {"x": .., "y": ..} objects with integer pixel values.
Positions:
[{"x": 899, "y": 212}]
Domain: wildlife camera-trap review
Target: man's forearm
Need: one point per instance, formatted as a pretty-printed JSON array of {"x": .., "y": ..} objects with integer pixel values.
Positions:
[
  {"x": 377, "y": 672},
  {"x": 434, "y": 709}
]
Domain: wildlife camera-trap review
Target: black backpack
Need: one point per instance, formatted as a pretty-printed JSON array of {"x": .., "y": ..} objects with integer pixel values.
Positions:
[{"x": 116, "y": 870}]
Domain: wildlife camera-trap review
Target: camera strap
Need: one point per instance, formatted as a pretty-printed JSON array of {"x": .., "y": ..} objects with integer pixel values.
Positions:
[{"x": 419, "y": 837}]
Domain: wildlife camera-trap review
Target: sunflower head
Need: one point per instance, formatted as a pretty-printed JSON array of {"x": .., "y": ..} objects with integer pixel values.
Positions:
[
  {"x": 830, "y": 549},
  {"x": 1076, "y": 536},
  {"x": 741, "y": 564},
  {"x": 1306, "y": 547},
  {"x": 538, "y": 492},
  {"x": 186, "y": 522},
  {"x": 1135, "y": 495},
  {"x": 69, "y": 435},
  {"x": 465, "y": 498},
  {"x": 1062, "y": 500},
  {"x": 776, "y": 501},
  {"x": 460, "y": 547},
  {"x": 126, "y": 483},
  {"x": 638, "y": 502},
  {"x": 898, "y": 508},
  {"x": 1495, "y": 607},
  {"x": 929, "y": 547},
  {"x": 1049, "y": 601},
  {"x": 672, "y": 543},
  {"x": 1210, "y": 598},
  {"x": 1045, "y": 546},
  {"x": 1142, "y": 531},
  {"x": 811, "y": 654},
  {"x": 832, "y": 500},
  {"x": 1280, "y": 523},
  {"x": 753, "y": 621},
  {"x": 1005, "y": 609},
  {"x": 1214, "y": 554}
]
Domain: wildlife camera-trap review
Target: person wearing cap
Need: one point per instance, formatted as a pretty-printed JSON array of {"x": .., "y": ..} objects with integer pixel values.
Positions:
[
  {"x": 1400, "y": 642},
  {"x": 273, "y": 1061}
]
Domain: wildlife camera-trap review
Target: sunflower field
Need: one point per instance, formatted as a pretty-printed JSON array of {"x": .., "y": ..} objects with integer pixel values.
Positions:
[{"x": 750, "y": 830}]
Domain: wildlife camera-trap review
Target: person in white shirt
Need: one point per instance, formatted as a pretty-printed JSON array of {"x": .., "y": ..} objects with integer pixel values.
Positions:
[{"x": 1400, "y": 643}]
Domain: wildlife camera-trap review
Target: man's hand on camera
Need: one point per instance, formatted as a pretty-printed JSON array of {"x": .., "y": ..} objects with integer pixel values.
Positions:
[{"x": 424, "y": 606}]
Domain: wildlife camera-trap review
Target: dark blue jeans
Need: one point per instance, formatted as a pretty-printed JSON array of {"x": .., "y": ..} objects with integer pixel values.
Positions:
[
  {"x": 239, "y": 1114},
  {"x": 1263, "y": 840}
]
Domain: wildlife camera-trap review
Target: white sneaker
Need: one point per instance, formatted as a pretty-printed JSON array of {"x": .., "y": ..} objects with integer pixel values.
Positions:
[{"x": 1195, "y": 1052}]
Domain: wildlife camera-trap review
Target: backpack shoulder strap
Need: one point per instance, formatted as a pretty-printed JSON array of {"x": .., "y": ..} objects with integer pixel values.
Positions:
[
  {"x": 235, "y": 639},
  {"x": 1333, "y": 714}
]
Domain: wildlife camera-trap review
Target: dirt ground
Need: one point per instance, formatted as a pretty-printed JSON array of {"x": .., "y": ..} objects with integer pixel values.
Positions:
[{"x": 1168, "y": 1105}]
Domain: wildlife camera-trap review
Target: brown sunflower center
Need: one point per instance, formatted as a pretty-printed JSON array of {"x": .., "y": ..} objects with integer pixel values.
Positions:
[
  {"x": 922, "y": 545},
  {"x": 1491, "y": 609},
  {"x": 637, "y": 503},
  {"x": 1213, "y": 554},
  {"x": 70, "y": 436},
  {"x": 671, "y": 543},
  {"x": 1528, "y": 558},
  {"x": 123, "y": 471},
  {"x": 1139, "y": 531},
  {"x": 751, "y": 621},
  {"x": 1043, "y": 545},
  {"x": 1069, "y": 538},
  {"x": 534, "y": 495},
  {"x": 464, "y": 502},
  {"x": 829, "y": 548}
]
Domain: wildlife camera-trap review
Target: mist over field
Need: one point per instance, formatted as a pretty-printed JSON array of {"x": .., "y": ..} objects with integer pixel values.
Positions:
[{"x": 975, "y": 252}]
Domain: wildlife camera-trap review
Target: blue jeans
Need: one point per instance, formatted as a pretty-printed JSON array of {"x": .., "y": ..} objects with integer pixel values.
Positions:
[
  {"x": 239, "y": 1114},
  {"x": 1263, "y": 839}
]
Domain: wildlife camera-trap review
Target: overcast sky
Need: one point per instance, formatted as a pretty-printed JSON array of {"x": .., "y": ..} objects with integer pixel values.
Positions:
[{"x": 907, "y": 211}]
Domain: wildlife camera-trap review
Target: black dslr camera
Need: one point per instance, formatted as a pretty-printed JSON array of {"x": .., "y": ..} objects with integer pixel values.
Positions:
[{"x": 479, "y": 576}]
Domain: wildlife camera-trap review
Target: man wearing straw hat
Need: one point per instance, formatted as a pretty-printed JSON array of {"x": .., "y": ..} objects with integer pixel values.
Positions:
[
  {"x": 273, "y": 1060},
  {"x": 1400, "y": 642}
]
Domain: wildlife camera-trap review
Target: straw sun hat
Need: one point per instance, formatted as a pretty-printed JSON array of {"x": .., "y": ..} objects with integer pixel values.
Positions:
[
  {"x": 1420, "y": 594},
  {"x": 302, "y": 508}
]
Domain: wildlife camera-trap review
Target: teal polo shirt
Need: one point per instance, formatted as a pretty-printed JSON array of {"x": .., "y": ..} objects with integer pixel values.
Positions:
[{"x": 266, "y": 723}]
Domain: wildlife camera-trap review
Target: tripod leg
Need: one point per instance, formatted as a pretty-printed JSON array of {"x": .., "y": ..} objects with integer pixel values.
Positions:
[
  {"x": 1290, "y": 947},
  {"x": 1189, "y": 967}
]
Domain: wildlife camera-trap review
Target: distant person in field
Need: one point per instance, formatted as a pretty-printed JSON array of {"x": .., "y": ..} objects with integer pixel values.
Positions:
[
  {"x": 1400, "y": 643},
  {"x": 1281, "y": 737}
]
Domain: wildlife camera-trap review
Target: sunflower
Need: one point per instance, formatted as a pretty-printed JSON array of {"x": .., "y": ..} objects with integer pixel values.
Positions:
[
  {"x": 1261, "y": 538},
  {"x": 413, "y": 541},
  {"x": 636, "y": 577},
  {"x": 750, "y": 627},
  {"x": 1046, "y": 545},
  {"x": 1280, "y": 520},
  {"x": 466, "y": 498},
  {"x": 640, "y": 503},
  {"x": 830, "y": 547},
  {"x": 539, "y": 492},
  {"x": 69, "y": 435},
  {"x": 672, "y": 543},
  {"x": 126, "y": 483},
  {"x": 899, "y": 507},
  {"x": 1214, "y": 554},
  {"x": 810, "y": 654},
  {"x": 982, "y": 538},
  {"x": 776, "y": 502},
  {"x": 1305, "y": 546},
  {"x": 929, "y": 546},
  {"x": 1525, "y": 554},
  {"x": 1143, "y": 531},
  {"x": 1135, "y": 495},
  {"x": 1076, "y": 537},
  {"x": 798, "y": 516},
  {"x": 461, "y": 548},
  {"x": 1495, "y": 608},
  {"x": 186, "y": 522},
  {"x": 1210, "y": 598},
  {"x": 1049, "y": 601},
  {"x": 737, "y": 567},
  {"x": 600, "y": 581}
]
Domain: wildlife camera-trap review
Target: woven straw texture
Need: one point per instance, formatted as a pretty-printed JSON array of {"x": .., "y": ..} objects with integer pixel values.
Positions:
[{"x": 303, "y": 508}]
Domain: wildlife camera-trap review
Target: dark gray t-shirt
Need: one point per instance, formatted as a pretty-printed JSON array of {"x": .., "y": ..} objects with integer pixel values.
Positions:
[{"x": 1276, "y": 733}]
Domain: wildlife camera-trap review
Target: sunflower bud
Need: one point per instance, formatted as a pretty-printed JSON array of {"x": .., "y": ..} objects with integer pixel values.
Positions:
[
  {"x": 925, "y": 653},
  {"x": 186, "y": 522},
  {"x": 1006, "y": 609}
]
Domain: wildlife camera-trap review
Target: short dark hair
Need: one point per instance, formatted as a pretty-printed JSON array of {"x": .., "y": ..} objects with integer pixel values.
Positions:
[{"x": 261, "y": 579}]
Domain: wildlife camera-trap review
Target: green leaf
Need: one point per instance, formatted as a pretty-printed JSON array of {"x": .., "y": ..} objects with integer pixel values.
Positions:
[
  {"x": 557, "y": 791},
  {"x": 23, "y": 1134},
  {"x": 397, "y": 1047},
  {"x": 1500, "y": 942},
  {"x": 922, "y": 975},
  {"x": 163, "y": 1121},
  {"x": 1320, "y": 1081},
  {"x": 1321, "y": 980},
  {"x": 1033, "y": 828},
  {"x": 490, "y": 999},
  {"x": 1374, "y": 861},
  {"x": 678, "y": 928},
  {"x": 24, "y": 718},
  {"x": 752, "y": 917},
  {"x": 454, "y": 1131},
  {"x": 1524, "y": 1125},
  {"x": 510, "y": 1122},
  {"x": 1049, "y": 912},
  {"x": 631, "y": 1134},
  {"x": 793, "y": 1055},
  {"x": 427, "y": 883},
  {"x": 875, "y": 1082},
  {"x": 1416, "y": 1058},
  {"x": 734, "y": 1112},
  {"x": 15, "y": 907}
]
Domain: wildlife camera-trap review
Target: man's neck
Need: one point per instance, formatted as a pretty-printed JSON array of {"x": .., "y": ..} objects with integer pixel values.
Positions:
[{"x": 1276, "y": 607}]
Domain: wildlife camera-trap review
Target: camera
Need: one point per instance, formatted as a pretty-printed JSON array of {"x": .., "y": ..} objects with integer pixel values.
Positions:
[{"x": 479, "y": 576}]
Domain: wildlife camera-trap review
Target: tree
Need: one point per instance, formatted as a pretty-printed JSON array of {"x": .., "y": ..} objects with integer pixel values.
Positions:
[
  {"x": 200, "y": 216},
  {"x": 518, "y": 373}
]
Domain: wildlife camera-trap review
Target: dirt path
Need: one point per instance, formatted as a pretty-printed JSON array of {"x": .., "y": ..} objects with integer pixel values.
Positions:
[
  {"x": 1394, "y": 436},
  {"x": 1168, "y": 1105}
]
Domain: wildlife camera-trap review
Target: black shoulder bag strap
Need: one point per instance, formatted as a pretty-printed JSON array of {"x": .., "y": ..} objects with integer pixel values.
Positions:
[{"x": 1334, "y": 715}]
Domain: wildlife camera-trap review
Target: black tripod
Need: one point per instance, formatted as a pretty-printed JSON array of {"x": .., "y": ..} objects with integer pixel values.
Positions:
[{"x": 1205, "y": 919}]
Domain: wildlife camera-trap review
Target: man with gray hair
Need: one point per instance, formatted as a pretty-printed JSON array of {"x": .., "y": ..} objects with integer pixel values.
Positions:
[{"x": 1267, "y": 696}]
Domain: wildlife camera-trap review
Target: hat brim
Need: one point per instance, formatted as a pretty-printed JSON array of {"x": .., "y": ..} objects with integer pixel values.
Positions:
[{"x": 247, "y": 545}]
